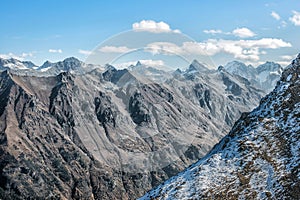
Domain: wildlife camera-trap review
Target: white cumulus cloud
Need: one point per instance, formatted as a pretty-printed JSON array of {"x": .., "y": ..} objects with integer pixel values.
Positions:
[
  {"x": 295, "y": 19},
  {"x": 275, "y": 15},
  {"x": 152, "y": 26},
  {"x": 239, "y": 32},
  {"x": 243, "y": 32},
  {"x": 115, "y": 49},
  {"x": 55, "y": 51},
  {"x": 240, "y": 49}
]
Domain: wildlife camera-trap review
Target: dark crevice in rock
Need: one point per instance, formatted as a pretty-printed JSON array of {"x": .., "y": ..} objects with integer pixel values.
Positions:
[
  {"x": 113, "y": 75},
  {"x": 234, "y": 88},
  {"x": 203, "y": 95},
  {"x": 20, "y": 106},
  {"x": 5, "y": 84},
  {"x": 61, "y": 102},
  {"x": 192, "y": 153},
  {"x": 106, "y": 113},
  {"x": 207, "y": 99},
  {"x": 138, "y": 109}
]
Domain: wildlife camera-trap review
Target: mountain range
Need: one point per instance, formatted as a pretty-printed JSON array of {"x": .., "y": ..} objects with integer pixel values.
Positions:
[
  {"x": 109, "y": 133},
  {"x": 71, "y": 130},
  {"x": 258, "y": 159}
]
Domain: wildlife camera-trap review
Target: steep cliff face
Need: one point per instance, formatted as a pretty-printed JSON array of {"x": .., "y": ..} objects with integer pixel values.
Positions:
[
  {"x": 258, "y": 159},
  {"x": 110, "y": 135},
  {"x": 39, "y": 159}
]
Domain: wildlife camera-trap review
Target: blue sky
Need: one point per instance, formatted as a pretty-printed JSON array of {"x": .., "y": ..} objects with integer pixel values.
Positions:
[{"x": 249, "y": 31}]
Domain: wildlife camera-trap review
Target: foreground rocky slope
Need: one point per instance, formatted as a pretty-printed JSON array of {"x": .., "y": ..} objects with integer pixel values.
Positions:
[
  {"x": 258, "y": 159},
  {"x": 112, "y": 134}
]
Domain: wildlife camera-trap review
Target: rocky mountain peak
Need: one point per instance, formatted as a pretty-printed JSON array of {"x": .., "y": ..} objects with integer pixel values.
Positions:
[
  {"x": 291, "y": 73},
  {"x": 45, "y": 64},
  {"x": 70, "y": 64},
  {"x": 138, "y": 63},
  {"x": 177, "y": 72},
  {"x": 238, "y": 67},
  {"x": 71, "y": 60},
  {"x": 221, "y": 68},
  {"x": 5, "y": 73},
  {"x": 197, "y": 66},
  {"x": 296, "y": 61},
  {"x": 268, "y": 66},
  {"x": 65, "y": 77},
  {"x": 110, "y": 67}
]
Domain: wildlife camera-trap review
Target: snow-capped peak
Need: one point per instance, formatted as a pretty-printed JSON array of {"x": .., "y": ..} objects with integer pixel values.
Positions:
[
  {"x": 239, "y": 68},
  {"x": 197, "y": 66},
  {"x": 15, "y": 64}
]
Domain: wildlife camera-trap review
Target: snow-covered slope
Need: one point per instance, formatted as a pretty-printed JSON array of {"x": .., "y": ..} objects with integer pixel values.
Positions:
[
  {"x": 258, "y": 159},
  {"x": 15, "y": 64},
  {"x": 241, "y": 69},
  {"x": 268, "y": 74},
  {"x": 264, "y": 76},
  {"x": 71, "y": 64}
]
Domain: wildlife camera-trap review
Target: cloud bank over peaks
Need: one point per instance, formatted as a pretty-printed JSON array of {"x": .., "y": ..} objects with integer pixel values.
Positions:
[
  {"x": 239, "y": 49},
  {"x": 154, "y": 27},
  {"x": 243, "y": 32},
  {"x": 238, "y": 32}
]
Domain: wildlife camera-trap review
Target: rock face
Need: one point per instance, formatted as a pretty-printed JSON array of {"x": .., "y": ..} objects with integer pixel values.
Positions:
[
  {"x": 112, "y": 134},
  {"x": 196, "y": 66},
  {"x": 258, "y": 159}
]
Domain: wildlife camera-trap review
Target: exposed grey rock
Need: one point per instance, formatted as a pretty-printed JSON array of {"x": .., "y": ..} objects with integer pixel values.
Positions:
[
  {"x": 109, "y": 134},
  {"x": 196, "y": 66},
  {"x": 258, "y": 159}
]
